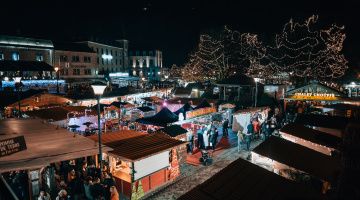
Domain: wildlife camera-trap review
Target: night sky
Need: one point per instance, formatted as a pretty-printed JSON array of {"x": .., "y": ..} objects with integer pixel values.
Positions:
[{"x": 172, "y": 26}]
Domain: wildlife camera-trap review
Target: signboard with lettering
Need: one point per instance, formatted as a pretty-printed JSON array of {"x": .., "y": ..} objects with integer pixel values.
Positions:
[
  {"x": 199, "y": 112},
  {"x": 12, "y": 145},
  {"x": 314, "y": 96}
]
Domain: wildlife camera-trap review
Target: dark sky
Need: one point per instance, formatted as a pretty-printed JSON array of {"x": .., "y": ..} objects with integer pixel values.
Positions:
[{"x": 172, "y": 26}]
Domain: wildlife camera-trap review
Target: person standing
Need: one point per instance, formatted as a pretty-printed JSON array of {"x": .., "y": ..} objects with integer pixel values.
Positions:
[
  {"x": 214, "y": 138},
  {"x": 44, "y": 196},
  {"x": 248, "y": 135},
  {"x": 114, "y": 194},
  {"x": 225, "y": 128}
]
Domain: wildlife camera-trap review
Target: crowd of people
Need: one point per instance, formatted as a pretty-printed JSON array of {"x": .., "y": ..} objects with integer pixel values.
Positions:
[{"x": 75, "y": 180}]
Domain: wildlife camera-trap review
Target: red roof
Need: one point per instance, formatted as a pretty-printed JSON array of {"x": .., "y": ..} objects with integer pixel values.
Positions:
[{"x": 132, "y": 145}]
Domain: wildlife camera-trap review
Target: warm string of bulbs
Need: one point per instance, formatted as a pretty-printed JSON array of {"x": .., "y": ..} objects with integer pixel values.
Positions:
[{"x": 299, "y": 50}]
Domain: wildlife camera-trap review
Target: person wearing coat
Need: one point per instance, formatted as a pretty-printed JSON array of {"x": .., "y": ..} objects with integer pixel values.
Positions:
[{"x": 248, "y": 135}]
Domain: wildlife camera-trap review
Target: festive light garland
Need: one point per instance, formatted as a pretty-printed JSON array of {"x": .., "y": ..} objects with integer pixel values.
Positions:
[{"x": 305, "y": 52}]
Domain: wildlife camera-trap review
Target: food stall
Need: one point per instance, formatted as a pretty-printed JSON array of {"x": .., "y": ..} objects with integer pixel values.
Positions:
[{"x": 138, "y": 170}]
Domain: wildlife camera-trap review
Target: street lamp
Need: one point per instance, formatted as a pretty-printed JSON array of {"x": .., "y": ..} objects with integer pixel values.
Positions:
[
  {"x": 57, "y": 79},
  {"x": 18, "y": 87},
  {"x": 256, "y": 89},
  {"x": 99, "y": 89}
]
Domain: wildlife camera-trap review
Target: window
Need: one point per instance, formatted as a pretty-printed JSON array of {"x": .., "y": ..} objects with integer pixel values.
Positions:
[
  {"x": 87, "y": 59},
  {"x": 115, "y": 53},
  {"x": 15, "y": 56},
  {"x": 111, "y": 52},
  {"x": 97, "y": 60},
  {"x": 102, "y": 60},
  {"x": 1, "y": 56},
  {"x": 76, "y": 71},
  {"x": 150, "y": 53},
  {"x": 39, "y": 57},
  {"x": 63, "y": 58},
  {"x": 144, "y": 53},
  {"x": 75, "y": 59},
  {"x": 115, "y": 61},
  {"x": 107, "y": 52},
  {"x": 66, "y": 72},
  {"x": 102, "y": 51},
  {"x": 87, "y": 71},
  {"x": 97, "y": 50}
]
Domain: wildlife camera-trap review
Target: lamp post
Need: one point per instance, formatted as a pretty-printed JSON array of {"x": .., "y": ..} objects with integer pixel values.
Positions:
[
  {"x": 18, "y": 87},
  {"x": 99, "y": 89},
  {"x": 256, "y": 89},
  {"x": 57, "y": 79}
]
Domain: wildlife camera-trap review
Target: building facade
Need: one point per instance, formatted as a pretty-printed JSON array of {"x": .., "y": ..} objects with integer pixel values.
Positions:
[
  {"x": 75, "y": 61},
  {"x": 146, "y": 64},
  {"x": 26, "y": 57},
  {"x": 110, "y": 58}
]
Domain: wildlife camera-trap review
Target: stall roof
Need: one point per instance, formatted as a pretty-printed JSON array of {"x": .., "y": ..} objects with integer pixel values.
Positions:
[
  {"x": 182, "y": 91},
  {"x": 191, "y": 101},
  {"x": 334, "y": 122},
  {"x": 45, "y": 143},
  {"x": 153, "y": 99},
  {"x": 58, "y": 113},
  {"x": 203, "y": 104},
  {"x": 315, "y": 87},
  {"x": 312, "y": 135},
  {"x": 145, "y": 109},
  {"x": 184, "y": 109},
  {"x": 22, "y": 65},
  {"x": 173, "y": 130},
  {"x": 132, "y": 145},
  {"x": 300, "y": 158},
  {"x": 162, "y": 118},
  {"x": 8, "y": 98},
  {"x": 246, "y": 181}
]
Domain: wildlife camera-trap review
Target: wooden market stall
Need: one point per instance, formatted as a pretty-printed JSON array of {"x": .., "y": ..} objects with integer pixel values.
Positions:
[
  {"x": 310, "y": 138},
  {"x": 31, "y": 145},
  {"x": 141, "y": 162},
  {"x": 333, "y": 125},
  {"x": 295, "y": 161},
  {"x": 242, "y": 180}
]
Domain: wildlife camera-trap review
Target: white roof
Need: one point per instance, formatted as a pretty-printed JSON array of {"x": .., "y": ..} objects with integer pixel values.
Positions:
[{"x": 45, "y": 144}]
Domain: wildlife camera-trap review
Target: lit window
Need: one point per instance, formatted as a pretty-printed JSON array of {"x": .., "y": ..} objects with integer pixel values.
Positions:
[
  {"x": 15, "y": 56},
  {"x": 1, "y": 56},
  {"x": 39, "y": 57}
]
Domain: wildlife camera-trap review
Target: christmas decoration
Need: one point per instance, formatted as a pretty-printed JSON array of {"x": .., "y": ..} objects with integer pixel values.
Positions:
[
  {"x": 137, "y": 190},
  {"x": 174, "y": 165},
  {"x": 301, "y": 50}
]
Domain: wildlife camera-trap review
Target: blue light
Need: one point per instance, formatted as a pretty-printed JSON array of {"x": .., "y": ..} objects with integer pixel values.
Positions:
[{"x": 28, "y": 83}]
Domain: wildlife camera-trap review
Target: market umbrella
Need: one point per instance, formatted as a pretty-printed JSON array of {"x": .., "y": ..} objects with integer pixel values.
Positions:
[
  {"x": 87, "y": 124},
  {"x": 74, "y": 126}
]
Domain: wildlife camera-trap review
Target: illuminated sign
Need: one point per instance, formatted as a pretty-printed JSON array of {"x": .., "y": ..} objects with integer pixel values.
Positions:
[
  {"x": 119, "y": 74},
  {"x": 108, "y": 57},
  {"x": 314, "y": 96},
  {"x": 12, "y": 145},
  {"x": 199, "y": 112}
]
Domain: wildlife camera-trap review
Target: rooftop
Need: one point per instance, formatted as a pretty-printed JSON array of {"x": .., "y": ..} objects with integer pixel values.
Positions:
[
  {"x": 58, "y": 113},
  {"x": 133, "y": 145},
  {"x": 246, "y": 181},
  {"x": 8, "y": 98},
  {"x": 299, "y": 157},
  {"x": 76, "y": 47},
  {"x": 45, "y": 143},
  {"x": 312, "y": 135},
  {"x": 25, "y": 42}
]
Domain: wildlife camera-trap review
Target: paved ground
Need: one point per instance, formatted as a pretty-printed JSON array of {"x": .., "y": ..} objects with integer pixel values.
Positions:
[{"x": 192, "y": 176}]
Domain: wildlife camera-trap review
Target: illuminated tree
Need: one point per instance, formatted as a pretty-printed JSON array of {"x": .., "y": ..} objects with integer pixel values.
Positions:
[
  {"x": 175, "y": 71},
  {"x": 221, "y": 55},
  {"x": 304, "y": 51}
]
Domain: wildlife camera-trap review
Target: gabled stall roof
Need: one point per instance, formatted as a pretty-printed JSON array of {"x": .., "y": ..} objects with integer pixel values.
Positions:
[
  {"x": 173, "y": 130},
  {"x": 299, "y": 157},
  {"x": 203, "y": 104},
  {"x": 315, "y": 87},
  {"x": 186, "y": 107},
  {"x": 242, "y": 180},
  {"x": 334, "y": 122},
  {"x": 145, "y": 109},
  {"x": 45, "y": 143},
  {"x": 132, "y": 145},
  {"x": 312, "y": 135},
  {"x": 153, "y": 99},
  {"x": 162, "y": 118}
]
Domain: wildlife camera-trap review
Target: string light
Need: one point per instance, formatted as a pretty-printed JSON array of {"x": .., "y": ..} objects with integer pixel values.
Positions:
[{"x": 305, "y": 52}]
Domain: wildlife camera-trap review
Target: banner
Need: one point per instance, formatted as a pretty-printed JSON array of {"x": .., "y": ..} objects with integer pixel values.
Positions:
[
  {"x": 199, "y": 112},
  {"x": 12, "y": 145}
]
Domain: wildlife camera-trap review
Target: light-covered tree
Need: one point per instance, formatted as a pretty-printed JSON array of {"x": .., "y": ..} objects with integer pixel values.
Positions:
[{"x": 304, "y": 50}]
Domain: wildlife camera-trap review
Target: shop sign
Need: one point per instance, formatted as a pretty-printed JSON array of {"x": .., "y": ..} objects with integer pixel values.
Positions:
[
  {"x": 314, "y": 96},
  {"x": 12, "y": 145},
  {"x": 199, "y": 112}
]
